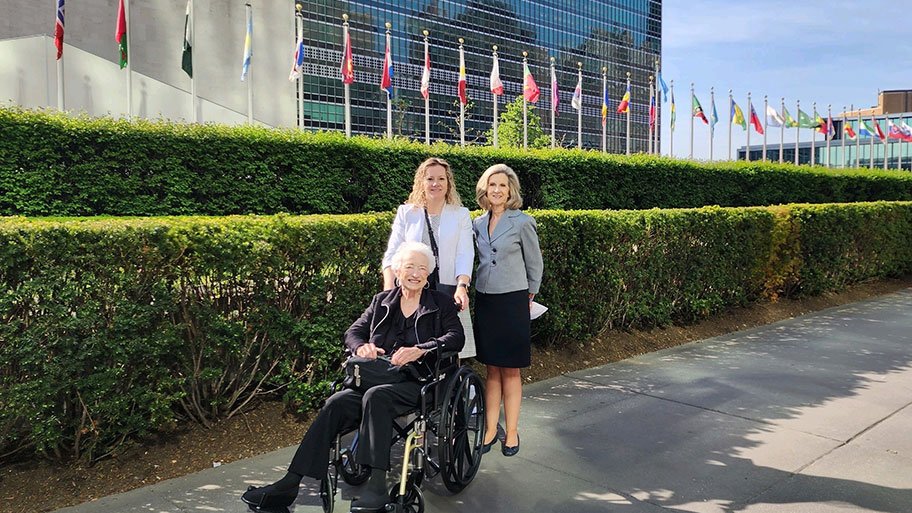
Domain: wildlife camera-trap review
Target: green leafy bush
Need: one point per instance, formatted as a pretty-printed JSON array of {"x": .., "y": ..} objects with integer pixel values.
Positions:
[{"x": 52, "y": 164}]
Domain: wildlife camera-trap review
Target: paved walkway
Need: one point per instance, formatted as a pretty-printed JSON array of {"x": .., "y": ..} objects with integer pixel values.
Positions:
[{"x": 807, "y": 415}]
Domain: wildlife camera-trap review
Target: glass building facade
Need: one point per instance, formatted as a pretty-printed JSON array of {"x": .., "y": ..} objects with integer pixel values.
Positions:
[
  {"x": 843, "y": 152},
  {"x": 622, "y": 35}
]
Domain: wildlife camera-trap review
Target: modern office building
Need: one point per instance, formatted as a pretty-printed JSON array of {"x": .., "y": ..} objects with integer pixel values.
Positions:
[
  {"x": 893, "y": 107},
  {"x": 622, "y": 35}
]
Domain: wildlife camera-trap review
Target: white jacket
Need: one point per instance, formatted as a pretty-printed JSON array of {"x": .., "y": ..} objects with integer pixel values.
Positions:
[{"x": 454, "y": 243}]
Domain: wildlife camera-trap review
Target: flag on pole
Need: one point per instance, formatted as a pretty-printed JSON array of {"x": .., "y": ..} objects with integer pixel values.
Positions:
[
  {"x": 605, "y": 105},
  {"x": 248, "y": 47},
  {"x": 652, "y": 112},
  {"x": 120, "y": 33},
  {"x": 426, "y": 73},
  {"x": 713, "y": 116},
  {"x": 893, "y": 131},
  {"x": 737, "y": 116},
  {"x": 789, "y": 120},
  {"x": 664, "y": 87},
  {"x": 672, "y": 111},
  {"x": 461, "y": 86},
  {"x": 830, "y": 128},
  {"x": 58, "y": 30},
  {"x": 624, "y": 106},
  {"x": 386, "y": 76},
  {"x": 864, "y": 129},
  {"x": 555, "y": 96},
  {"x": 497, "y": 88},
  {"x": 805, "y": 121},
  {"x": 907, "y": 132},
  {"x": 348, "y": 64},
  {"x": 297, "y": 62},
  {"x": 187, "y": 55},
  {"x": 773, "y": 117},
  {"x": 821, "y": 123},
  {"x": 577, "y": 101},
  {"x": 698, "y": 110},
  {"x": 530, "y": 88},
  {"x": 755, "y": 120},
  {"x": 878, "y": 131},
  {"x": 847, "y": 128}
]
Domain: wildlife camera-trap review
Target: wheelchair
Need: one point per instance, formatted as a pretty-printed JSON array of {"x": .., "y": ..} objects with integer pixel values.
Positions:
[{"x": 443, "y": 435}]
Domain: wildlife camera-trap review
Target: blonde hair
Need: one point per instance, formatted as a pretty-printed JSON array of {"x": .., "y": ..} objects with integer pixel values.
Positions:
[
  {"x": 418, "y": 197},
  {"x": 514, "y": 201}
]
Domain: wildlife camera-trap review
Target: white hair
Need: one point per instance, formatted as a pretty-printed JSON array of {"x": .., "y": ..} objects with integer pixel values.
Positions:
[{"x": 413, "y": 247}]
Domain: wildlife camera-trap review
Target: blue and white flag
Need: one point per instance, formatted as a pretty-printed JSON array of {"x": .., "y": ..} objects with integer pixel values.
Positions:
[{"x": 248, "y": 45}]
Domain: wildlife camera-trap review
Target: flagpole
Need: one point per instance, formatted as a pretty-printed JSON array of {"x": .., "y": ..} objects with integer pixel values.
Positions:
[
  {"x": 885, "y": 143},
  {"x": 814, "y": 138},
  {"x": 842, "y": 137},
  {"x": 494, "y": 96},
  {"x": 671, "y": 132},
  {"x": 605, "y": 121},
  {"x": 194, "y": 112},
  {"x": 129, "y": 66},
  {"x": 649, "y": 124},
  {"x": 249, "y": 73},
  {"x": 525, "y": 107},
  {"x": 750, "y": 112},
  {"x": 579, "y": 111},
  {"x": 657, "y": 125},
  {"x": 427, "y": 100},
  {"x": 782, "y": 133},
  {"x": 857, "y": 137},
  {"x": 346, "y": 87},
  {"x": 871, "y": 163},
  {"x": 828, "y": 119},
  {"x": 629, "y": 108},
  {"x": 712, "y": 129},
  {"x": 389, "y": 94},
  {"x": 553, "y": 140},
  {"x": 731, "y": 108},
  {"x": 299, "y": 23},
  {"x": 60, "y": 84},
  {"x": 461, "y": 105},
  {"x": 797, "y": 130},
  {"x": 692, "y": 96},
  {"x": 765, "y": 128},
  {"x": 900, "y": 144}
]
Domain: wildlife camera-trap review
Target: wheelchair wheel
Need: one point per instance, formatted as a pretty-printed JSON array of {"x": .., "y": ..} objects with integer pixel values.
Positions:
[
  {"x": 327, "y": 493},
  {"x": 462, "y": 427},
  {"x": 351, "y": 472},
  {"x": 413, "y": 502}
]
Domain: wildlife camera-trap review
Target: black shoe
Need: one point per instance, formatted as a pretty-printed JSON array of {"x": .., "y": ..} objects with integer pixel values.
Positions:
[
  {"x": 267, "y": 497},
  {"x": 498, "y": 437},
  {"x": 369, "y": 502},
  {"x": 510, "y": 451}
]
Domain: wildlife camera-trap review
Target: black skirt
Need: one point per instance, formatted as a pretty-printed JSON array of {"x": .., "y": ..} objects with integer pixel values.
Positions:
[{"x": 503, "y": 331}]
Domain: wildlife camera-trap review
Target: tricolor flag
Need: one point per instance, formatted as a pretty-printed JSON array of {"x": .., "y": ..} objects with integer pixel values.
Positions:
[
  {"x": 864, "y": 129},
  {"x": 297, "y": 62},
  {"x": 821, "y": 123},
  {"x": 652, "y": 112},
  {"x": 664, "y": 87},
  {"x": 555, "y": 96},
  {"x": 773, "y": 118},
  {"x": 755, "y": 120},
  {"x": 907, "y": 131},
  {"x": 737, "y": 116},
  {"x": 530, "y": 88},
  {"x": 605, "y": 105},
  {"x": 120, "y": 33},
  {"x": 497, "y": 88},
  {"x": 893, "y": 131},
  {"x": 426, "y": 73},
  {"x": 58, "y": 30},
  {"x": 831, "y": 128},
  {"x": 386, "y": 75},
  {"x": 577, "y": 101},
  {"x": 698, "y": 110},
  {"x": 248, "y": 45},
  {"x": 789, "y": 120},
  {"x": 187, "y": 55},
  {"x": 461, "y": 86},
  {"x": 348, "y": 64},
  {"x": 672, "y": 111},
  {"x": 624, "y": 106},
  {"x": 847, "y": 128}
]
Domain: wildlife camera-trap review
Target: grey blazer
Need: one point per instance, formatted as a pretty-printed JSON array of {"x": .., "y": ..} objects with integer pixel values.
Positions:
[{"x": 510, "y": 259}]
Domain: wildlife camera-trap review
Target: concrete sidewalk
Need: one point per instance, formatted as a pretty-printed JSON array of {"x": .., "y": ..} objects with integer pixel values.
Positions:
[{"x": 806, "y": 415}]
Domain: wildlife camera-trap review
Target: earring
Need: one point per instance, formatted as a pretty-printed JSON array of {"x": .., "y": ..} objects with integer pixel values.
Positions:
[
  {"x": 396, "y": 282},
  {"x": 427, "y": 284}
]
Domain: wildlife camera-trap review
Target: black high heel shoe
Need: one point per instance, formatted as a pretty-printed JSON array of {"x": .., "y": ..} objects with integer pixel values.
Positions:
[
  {"x": 510, "y": 451},
  {"x": 498, "y": 437}
]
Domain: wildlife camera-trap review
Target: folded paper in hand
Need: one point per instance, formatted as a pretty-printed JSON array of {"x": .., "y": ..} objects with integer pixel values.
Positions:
[{"x": 536, "y": 310}]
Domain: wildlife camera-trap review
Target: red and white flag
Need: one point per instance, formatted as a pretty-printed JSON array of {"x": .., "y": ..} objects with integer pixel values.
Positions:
[
  {"x": 58, "y": 30},
  {"x": 426, "y": 73},
  {"x": 463, "y": 99},
  {"x": 386, "y": 76},
  {"x": 497, "y": 87},
  {"x": 348, "y": 64}
]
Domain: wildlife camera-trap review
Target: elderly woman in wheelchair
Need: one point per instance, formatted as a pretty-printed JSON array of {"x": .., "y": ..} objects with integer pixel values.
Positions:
[{"x": 417, "y": 330}]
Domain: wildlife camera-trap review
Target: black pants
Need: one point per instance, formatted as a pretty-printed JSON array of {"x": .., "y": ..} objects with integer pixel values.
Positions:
[{"x": 375, "y": 409}]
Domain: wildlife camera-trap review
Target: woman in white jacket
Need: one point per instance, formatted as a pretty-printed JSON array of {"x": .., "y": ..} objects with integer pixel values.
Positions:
[{"x": 434, "y": 215}]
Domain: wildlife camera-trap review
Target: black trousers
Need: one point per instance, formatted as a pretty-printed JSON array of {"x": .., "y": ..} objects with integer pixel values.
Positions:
[{"x": 374, "y": 410}]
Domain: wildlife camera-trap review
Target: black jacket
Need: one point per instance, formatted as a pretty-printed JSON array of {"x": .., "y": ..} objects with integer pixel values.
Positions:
[{"x": 437, "y": 324}]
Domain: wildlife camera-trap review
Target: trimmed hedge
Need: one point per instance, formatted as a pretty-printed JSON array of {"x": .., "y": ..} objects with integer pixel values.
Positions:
[
  {"x": 116, "y": 328},
  {"x": 53, "y": 164}
]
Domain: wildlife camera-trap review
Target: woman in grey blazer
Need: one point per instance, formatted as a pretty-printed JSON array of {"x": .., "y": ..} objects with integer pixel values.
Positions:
[{"x": 508, "y": 277}]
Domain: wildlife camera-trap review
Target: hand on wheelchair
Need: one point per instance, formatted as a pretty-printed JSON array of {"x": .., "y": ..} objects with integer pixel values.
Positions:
[{"x": 406, "y": 355}]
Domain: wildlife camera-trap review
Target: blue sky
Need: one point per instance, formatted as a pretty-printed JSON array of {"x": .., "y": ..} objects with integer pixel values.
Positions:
[{"x": 837, "y": 52}]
